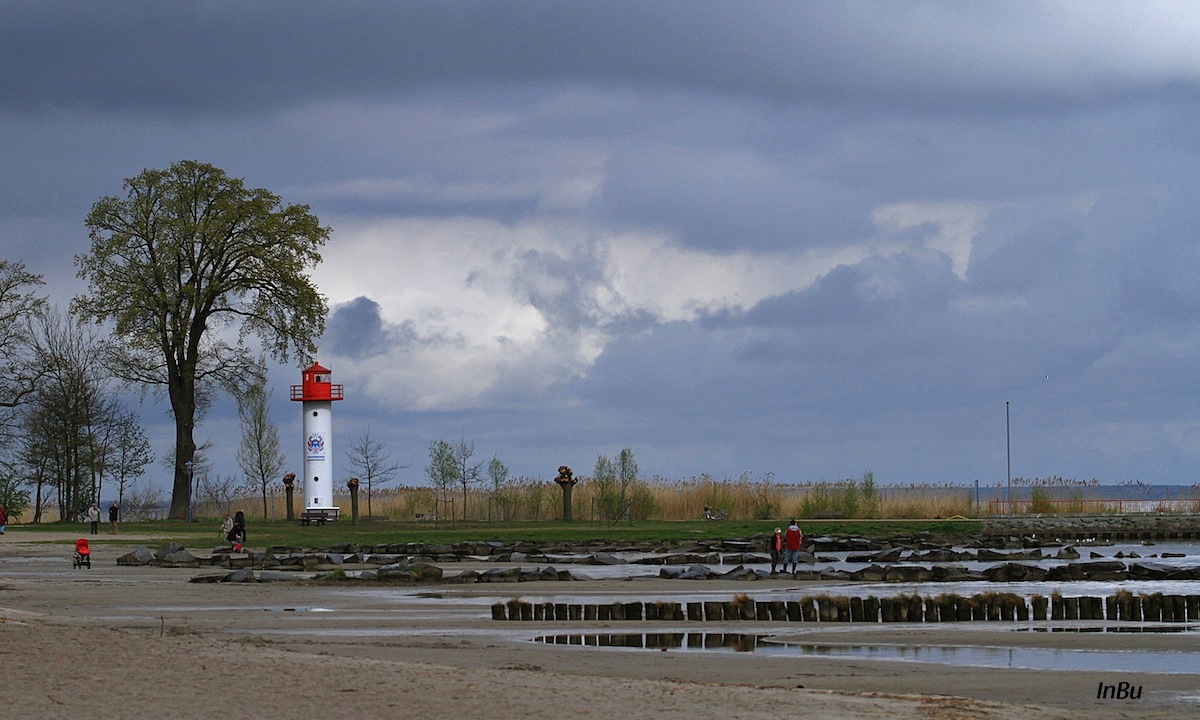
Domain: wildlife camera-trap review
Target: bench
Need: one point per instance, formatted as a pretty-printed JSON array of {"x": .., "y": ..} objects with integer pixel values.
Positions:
[
  {"x": 320, "y": 517},
  {"x": 827, "y": 515}
]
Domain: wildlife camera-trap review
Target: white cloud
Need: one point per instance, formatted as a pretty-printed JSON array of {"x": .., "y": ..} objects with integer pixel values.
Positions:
[{"x": 486, "y": 322}]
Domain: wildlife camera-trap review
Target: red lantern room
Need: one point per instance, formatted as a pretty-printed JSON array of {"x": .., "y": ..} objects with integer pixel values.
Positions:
[{"x": 316, "y": 385}]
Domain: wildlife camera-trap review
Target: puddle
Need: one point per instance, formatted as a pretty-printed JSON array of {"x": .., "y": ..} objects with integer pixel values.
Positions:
[
  {"x": 1165, "y": 629},
  {"x": 960, "y": 655}
]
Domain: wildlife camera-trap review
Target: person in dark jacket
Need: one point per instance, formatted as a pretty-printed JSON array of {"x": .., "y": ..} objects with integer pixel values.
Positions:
[
  {"x": 775, "y": 548},
  {"x": 237, "y": 535}
]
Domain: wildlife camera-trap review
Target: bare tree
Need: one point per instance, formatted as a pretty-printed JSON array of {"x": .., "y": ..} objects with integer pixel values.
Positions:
[
  {"x": 373, "y": 465},
  {"x": 69, "y": 418},
  {"x": 218, "y": 491},
  {"x": 442, "y": 470},
  {"x": 468, "y": 473},
  {"x": 259, "y": 456},
  {"x": 130, "y": 454},
  {"x": 627, "y": 472},
  {"x": 498, "y": 473}
]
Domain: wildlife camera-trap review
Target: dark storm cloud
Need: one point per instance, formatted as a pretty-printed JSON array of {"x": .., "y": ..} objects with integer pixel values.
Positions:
[
  {"x": 877, "y": 290},
  {"x": 220, "y": 57},
  {"x": 997, "y": 201},
  {"x": 357, "y": 330}
]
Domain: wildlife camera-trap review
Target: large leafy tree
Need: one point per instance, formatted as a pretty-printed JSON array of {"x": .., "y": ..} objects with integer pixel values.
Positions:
[
  {"x": 186, "y": 266},
  {"x": 18, "y": 304}
]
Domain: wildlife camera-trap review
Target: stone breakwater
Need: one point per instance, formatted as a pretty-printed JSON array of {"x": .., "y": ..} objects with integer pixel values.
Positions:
[
  {"x": 1100, "y": 528},
  {"x": 865, "y": 560},
  {"x": 982, "y": 607}
]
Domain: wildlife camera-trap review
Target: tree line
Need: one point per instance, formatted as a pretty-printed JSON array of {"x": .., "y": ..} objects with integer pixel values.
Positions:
[{"x": 183, "y": 269}]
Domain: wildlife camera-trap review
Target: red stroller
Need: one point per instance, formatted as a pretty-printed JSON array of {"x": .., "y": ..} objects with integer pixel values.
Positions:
[{"x": 83, "y": 554}]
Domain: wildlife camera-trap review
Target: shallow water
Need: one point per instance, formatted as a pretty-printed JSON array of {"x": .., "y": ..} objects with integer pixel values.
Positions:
[{"x": 959, "y": 655}]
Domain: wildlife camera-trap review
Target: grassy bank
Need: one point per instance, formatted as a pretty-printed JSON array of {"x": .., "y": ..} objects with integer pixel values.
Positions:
[{"x": 267, "y": 533}]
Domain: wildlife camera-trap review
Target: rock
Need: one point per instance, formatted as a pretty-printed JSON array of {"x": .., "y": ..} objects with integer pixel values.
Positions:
[
  {"x": 696, "y": 572},
  {"x": 137, "y": 556},
  {"x": 412, "y": 573},
  {"x": 608, "y": 559},
  {"x": 175, "y": 557},
  {"x": 275, "y": 576},
  {"x": 168, "y": 549},
  {"x": 888, "y": 556},
  {"x": 872, "y": 573},
  {"x": 740, "y": 573},
  {"x": 906, "y": 573},
  {"x": 210, "y": 578},
  {"x": 243, "y": 575},
  {"x": 1067, "y": 553},
  {"x": 501, "y": 575}
]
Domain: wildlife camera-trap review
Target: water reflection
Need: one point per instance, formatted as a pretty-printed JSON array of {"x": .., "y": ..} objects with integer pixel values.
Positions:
[
  {"x": 1155, "y": 661},
  {"x": 736, "y": 642}
]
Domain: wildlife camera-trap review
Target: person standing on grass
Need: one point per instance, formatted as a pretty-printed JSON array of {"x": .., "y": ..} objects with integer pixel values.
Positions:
[
  {"x": 791, "y": 542},
  {"x": 775, "y": 548},
  {"x": 226, "y": 527},
  {"x": 3, "y": 518},
  {"x": 114, "y": 514},
  {"x": 93, "y": 515}
]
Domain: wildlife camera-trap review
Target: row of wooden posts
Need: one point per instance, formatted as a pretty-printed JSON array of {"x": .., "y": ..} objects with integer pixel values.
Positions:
[{"x": 991, "y": 607}]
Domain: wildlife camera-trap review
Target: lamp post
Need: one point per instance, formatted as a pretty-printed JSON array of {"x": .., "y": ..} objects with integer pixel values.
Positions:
[
  {"x": 191, "y": 493},
  {"x": 1008, "y": 456}
]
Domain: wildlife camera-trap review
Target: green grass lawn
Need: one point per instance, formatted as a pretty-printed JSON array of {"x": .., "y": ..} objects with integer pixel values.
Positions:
[{"x": 266, "y": 533}]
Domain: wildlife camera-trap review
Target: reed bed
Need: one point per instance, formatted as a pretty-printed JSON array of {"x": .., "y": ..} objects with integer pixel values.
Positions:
[
  {"x": 655, "y": 498},
  {"x": 744, "y": 498}
]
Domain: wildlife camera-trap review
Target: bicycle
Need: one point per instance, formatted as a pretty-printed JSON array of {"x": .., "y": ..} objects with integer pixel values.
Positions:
[{"x": 710, "y": 514}]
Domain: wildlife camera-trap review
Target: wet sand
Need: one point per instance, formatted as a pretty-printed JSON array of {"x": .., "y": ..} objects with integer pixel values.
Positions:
[{"x": 143, "y": 642}]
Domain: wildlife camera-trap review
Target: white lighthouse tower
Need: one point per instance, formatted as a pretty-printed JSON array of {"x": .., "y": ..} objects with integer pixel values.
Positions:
[{"x": 318, "y": 393}]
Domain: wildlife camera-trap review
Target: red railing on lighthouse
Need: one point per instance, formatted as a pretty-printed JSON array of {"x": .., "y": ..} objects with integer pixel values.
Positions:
[{"x": 318, "y": 391}]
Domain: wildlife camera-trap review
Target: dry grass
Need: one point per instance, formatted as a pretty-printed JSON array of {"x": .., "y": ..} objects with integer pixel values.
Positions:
[{"x": 744, "y": 498}]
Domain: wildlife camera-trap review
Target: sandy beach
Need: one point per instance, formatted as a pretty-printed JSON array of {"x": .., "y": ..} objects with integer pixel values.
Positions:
[{"x": 144, "y": 642}]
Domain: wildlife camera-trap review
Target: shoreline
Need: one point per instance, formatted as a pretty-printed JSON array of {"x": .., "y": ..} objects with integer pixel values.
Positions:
[{"x": 166, "y": 647}]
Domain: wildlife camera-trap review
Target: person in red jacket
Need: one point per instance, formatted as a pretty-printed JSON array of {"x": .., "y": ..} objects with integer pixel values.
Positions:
[
  {"x": 791, "y": 543},
  {"x": 775, "y": 548}
]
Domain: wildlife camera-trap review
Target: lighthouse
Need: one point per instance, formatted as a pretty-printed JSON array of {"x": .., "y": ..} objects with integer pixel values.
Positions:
[{"x": 317, "y": 394}]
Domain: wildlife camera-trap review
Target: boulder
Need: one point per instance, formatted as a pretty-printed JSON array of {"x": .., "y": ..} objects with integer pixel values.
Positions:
[
  {"x": 238, "y": 576},
  {"x": 138, "y": 556},
  {"x": 604, "y": 558},
  {"x": 696, "y": 572},
  {"x": 403, "y": 572}
]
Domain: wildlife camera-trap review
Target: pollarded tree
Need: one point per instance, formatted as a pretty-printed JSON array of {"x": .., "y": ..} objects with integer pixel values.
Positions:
[{"x": 185, "y": 266}]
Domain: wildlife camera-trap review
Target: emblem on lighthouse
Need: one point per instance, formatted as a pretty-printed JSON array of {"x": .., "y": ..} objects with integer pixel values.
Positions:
[{"x": 315, "y": 447}]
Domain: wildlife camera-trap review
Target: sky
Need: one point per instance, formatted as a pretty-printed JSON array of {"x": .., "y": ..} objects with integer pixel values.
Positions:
[{"x": 941, "y": 242}]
